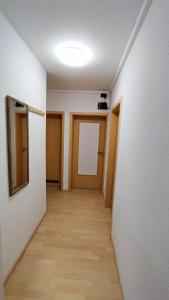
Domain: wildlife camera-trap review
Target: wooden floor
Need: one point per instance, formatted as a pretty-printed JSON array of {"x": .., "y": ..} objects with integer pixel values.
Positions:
[{"x": 70, "y": 257}]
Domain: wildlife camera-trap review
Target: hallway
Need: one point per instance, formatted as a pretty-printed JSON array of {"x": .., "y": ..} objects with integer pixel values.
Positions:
[{"x": 70, "y": 257}]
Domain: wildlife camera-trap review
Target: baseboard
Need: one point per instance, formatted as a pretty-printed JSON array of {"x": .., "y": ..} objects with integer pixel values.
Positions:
[
  {"x": 117, "y": 267},
  {"x": 23, "y": 251}
]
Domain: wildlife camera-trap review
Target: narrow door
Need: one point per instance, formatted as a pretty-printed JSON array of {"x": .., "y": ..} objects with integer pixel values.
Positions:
[
  {"x": 88, "y": 152},
  {"x": 53, "y": 149},
  {"x": 116, "y": 122},
  {"x": 112, "y": 156},
  {"x": 21, "y": 149},
  {"x": 24, "y": 149}
]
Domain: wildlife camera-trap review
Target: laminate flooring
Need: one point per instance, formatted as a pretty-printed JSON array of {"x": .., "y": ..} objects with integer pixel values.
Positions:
[{"x": 70, "y": 256}]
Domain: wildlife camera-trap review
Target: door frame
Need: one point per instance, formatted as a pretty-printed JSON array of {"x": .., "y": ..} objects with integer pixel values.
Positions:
[
  {"x": 113, "y": 150},
  {"x": 81, "y": 114},
  {"x": 62, "y": 114}
]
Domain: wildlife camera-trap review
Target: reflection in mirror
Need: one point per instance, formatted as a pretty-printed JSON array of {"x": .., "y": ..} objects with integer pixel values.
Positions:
[{"x": 18, "y": 150}]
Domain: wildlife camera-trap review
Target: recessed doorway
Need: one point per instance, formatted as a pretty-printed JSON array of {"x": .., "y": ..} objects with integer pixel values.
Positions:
[
  {"x": 54, "y": 149},
  {"x": 112, "y": 153}
]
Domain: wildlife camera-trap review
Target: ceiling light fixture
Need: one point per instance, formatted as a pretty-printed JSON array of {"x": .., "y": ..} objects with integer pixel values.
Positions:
[{"x": 73, "y": 54}]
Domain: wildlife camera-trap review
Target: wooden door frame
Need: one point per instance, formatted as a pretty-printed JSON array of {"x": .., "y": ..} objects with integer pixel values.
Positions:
[
  {"x": 62, "y": 114},
  {"x": 81, "y": 114},
  {"x": 112, "y": 157}
]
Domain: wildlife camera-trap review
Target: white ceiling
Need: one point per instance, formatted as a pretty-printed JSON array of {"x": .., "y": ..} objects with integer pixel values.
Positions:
[{"x": 103, "y": 25}]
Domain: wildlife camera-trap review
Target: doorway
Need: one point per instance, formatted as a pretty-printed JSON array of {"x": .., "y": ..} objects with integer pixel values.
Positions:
[
  {"x": 54, "y": 149},
  {"x": 112, "y": 154},
  {"x": 87, "y": 151},
  {"x": 21, "y": 152}
]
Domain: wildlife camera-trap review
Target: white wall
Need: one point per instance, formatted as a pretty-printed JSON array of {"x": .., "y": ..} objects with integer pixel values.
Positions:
[
  {"x": 68, "y": 101},
  {"x": 1, "y": 272},
  {"x": 22, "y": 77},
  {"x": 141, "y": 208}
]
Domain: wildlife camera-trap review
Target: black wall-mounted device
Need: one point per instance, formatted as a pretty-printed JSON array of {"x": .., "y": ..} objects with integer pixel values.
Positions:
[
  {"x": 102, "y": 105},
  {"x": 103, "y": 95}
]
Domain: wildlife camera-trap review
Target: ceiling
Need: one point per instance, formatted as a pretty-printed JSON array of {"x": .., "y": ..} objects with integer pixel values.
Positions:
[{"x": 102, "y": 25}]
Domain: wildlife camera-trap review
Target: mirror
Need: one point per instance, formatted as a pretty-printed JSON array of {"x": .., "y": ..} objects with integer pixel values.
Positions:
[{"x": 18, "y": 148}]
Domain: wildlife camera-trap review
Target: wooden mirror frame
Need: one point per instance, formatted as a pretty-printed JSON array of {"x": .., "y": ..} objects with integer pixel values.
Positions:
[{"x": 12, "y": 190}]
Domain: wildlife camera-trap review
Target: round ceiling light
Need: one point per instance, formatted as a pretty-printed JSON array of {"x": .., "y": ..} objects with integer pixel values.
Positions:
[{"x": 74, "y": 54}]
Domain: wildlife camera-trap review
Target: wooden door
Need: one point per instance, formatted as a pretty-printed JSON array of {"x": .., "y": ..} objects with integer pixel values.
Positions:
[
  {"x": 21, "y": 149},
  {"x": 88, "y": 152},
  {"x": 24, "y": 148},
  {"x": 53, "y": 149},
  {"x": 112, "y": 155},
  {"x": 116, "y": 122}
]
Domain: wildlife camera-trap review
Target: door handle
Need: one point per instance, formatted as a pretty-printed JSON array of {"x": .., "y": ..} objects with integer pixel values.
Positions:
[
  {"x": 100, "y": 153},
  {"x": 23, "y": 149}
]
